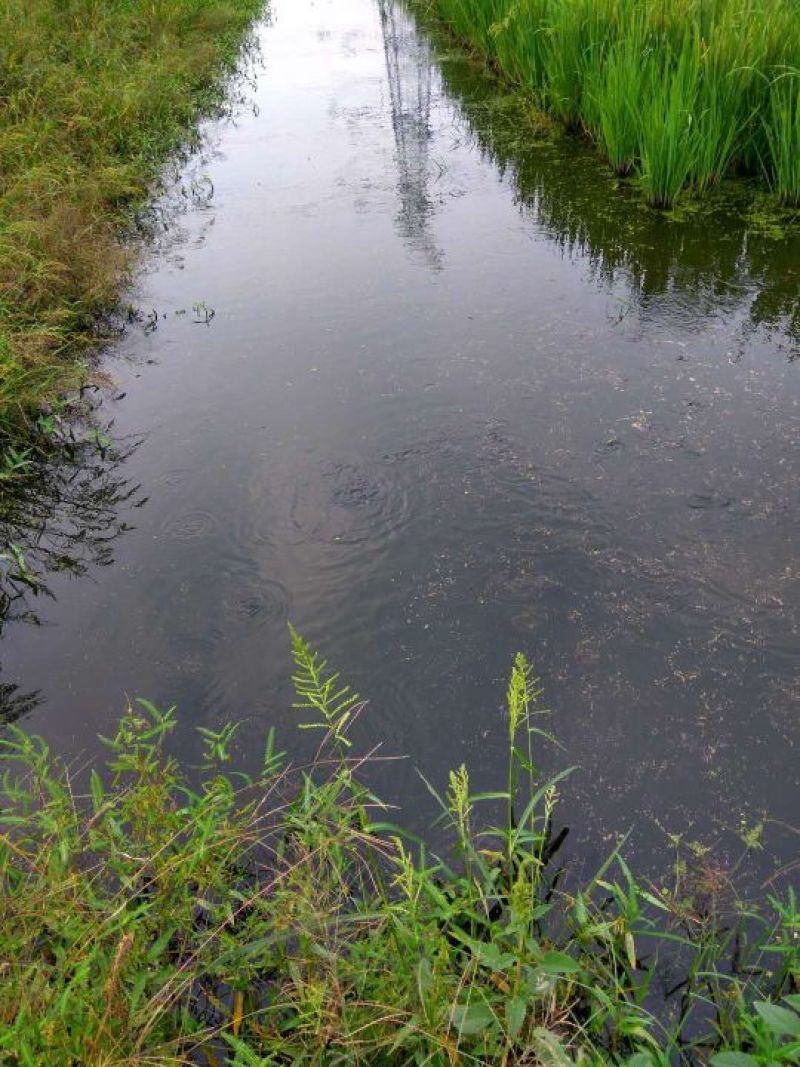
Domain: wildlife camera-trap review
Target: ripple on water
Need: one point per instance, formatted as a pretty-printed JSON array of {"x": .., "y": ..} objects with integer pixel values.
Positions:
[
  {"x": 262, "y": 602},
  {"x": 189, "y": 526},
  {"x": 350, "y": 504}
]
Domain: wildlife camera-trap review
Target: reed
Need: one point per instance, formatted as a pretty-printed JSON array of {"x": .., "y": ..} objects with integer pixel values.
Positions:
[{"x": 679, "y": 94}]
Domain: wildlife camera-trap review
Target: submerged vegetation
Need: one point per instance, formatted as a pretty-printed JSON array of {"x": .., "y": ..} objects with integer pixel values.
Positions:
[
  {"x": 95, "y": 95},
  {"x": 158, "y": 914},
  {"x": 679, "y": 94}
]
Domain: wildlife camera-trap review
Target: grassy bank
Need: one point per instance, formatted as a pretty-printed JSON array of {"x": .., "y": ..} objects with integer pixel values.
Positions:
[
  {"x": 94, "y": 96},
  {"x": 678, "y": 94},
  {"x": 156, "y": 914}
]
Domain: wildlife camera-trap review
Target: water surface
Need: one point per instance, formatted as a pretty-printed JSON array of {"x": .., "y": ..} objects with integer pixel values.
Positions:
[{"x": 460, "y": 394}]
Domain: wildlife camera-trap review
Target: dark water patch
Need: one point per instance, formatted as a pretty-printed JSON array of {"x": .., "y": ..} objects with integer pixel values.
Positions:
[
  {"x": 61, "y": 519},
  {"x": 708, "y": 501}
]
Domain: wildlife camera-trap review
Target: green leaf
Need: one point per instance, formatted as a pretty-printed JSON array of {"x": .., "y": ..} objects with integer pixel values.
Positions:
[
  {"x": 394, "y": 829},
  {"x": 158, "y": 947},
  {"x": 655, "y": 901},
  {"x": 516, "y": 1010},
  {"x": 558, "y": 963},
  {"x": 96, "y": 786},
  {"x": 534, "y": 802},
  {"x": 779, "y": 1020},
  {"x": 424, "y": 975},
  {"x": 581, "y": 914},
  {"x": 490, "y": 956},
  {"x": 410, "y": 1030},
  {"x": 733, "y": 1059},
  {"x": 472, "y": 1018},
  {"x": 630, "y": 949}
]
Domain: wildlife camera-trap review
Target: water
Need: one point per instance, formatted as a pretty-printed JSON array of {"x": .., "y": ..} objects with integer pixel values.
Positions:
[{"x": 459, "y": 395}]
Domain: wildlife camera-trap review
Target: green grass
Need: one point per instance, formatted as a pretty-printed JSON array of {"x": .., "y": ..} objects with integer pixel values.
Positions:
[
  {"x": 681, "y": 94},
  {"x": 94, "y": 96},
  {"x": 782, "y": 127},
  {"x": 669, "y": 133},
  {"x": 613, "y": 96},
  {"x": 152, "y": 913}
]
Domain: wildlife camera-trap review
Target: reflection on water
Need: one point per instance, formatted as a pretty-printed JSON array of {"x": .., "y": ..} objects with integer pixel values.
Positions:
[
  {"x": 409, "y": 73},
  {"x": 462, "y": 395},
  {"x": 61, "y": 517}
]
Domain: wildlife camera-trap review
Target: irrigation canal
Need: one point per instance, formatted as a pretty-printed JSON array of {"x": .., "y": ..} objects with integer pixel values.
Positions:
[{"x": 436, "y": 392}]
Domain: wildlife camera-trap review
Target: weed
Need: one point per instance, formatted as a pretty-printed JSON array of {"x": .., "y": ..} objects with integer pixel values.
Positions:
[{"x": 153, "y": 916}]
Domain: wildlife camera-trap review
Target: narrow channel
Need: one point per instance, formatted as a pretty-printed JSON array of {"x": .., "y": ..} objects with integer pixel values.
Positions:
[{"x": 436, "y": 392}]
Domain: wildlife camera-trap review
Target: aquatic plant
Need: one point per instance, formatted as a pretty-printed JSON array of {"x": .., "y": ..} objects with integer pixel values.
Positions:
[
  {"x": 680, "y": 94},
  {"x": 152, "y": 913}
]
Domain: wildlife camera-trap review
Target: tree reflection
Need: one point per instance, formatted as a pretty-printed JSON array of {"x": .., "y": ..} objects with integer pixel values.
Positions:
[{"x": 61, "y": 517}]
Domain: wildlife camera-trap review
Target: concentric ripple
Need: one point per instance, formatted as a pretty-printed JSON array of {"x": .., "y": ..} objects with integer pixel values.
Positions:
[
  {"x": 350, "y": 505},
  {"x": 190, "y": 526},
  {"x": 264, "y": 601}
]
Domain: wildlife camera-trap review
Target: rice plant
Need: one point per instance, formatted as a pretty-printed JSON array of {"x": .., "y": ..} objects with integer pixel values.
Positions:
[
  {"x": 615, "y": 92},
  {"x": 680, "y": 95},
  {"x": 782, "y": 127},
  {"x": 669, "y": 132},
  {"x": 725, "y": 104}
]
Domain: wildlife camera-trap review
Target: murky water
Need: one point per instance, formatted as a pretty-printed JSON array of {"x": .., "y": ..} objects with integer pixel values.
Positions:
[{"x": 459, "y": 395}]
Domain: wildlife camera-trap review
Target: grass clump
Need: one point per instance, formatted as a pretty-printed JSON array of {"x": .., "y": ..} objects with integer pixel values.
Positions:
[
  {"x": 614, "y": 93},
  {"x": 782, "y": 128},
  {"x": 158, "y": 914},
  {"x": 94, "y": 95},
  {"x": 680, "y": 94}
]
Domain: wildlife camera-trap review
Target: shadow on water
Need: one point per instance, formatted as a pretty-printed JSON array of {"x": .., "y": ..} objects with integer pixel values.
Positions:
[
  {"x": 64, "y": 516},
  {"x": 61, "y": 517}
]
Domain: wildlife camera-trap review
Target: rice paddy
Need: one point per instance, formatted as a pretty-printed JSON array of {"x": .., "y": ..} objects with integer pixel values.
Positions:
[{"x": 679, "y": 95}]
